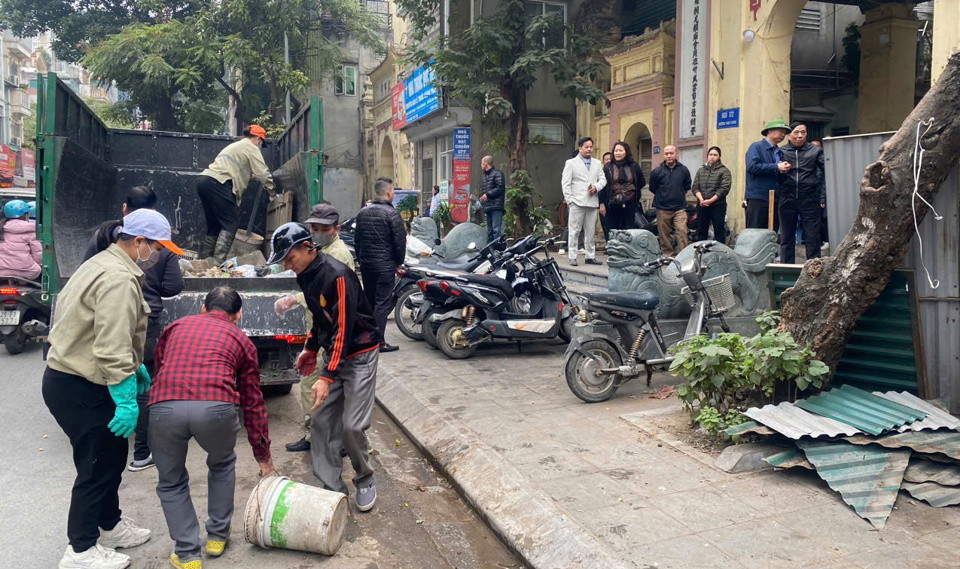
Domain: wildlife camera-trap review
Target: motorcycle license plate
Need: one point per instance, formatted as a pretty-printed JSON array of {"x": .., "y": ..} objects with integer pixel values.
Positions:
[{"x": 10, "y": 318}]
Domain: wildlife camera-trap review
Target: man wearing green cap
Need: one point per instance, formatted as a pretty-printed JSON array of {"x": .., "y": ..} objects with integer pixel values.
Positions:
[{"x": 764, "y": 166}]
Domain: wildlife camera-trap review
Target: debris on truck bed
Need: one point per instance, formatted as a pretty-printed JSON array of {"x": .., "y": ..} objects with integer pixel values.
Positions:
[{"x": 250, "y": 265}]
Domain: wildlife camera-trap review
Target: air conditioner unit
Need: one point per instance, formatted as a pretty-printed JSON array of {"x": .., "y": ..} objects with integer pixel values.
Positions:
[
  {"x": 13, "y": 80},
  {"x": 15, "y": 141}
]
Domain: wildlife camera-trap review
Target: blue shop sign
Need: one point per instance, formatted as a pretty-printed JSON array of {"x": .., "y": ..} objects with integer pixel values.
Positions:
[
  {"x": 728, "y": 118},
  {"x": 461, "y": 143},
  {"x": 420, "y": 95}
]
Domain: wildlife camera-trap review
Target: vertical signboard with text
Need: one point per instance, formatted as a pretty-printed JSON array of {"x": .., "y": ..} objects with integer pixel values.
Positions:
[
  {"x": 460, "y": 196},
  {"x": 693, "y": 63}
]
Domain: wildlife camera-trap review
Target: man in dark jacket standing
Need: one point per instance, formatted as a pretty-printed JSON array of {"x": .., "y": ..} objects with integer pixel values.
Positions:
[
  {"x": 343, "y": 325},
  {"x": 764, "y": 164},
  {"x": 803, "y": 193},
  {"x": 380, "y": 240},
  {"x": 669, "y": 184},
  {"x": 493, "y": 189}
]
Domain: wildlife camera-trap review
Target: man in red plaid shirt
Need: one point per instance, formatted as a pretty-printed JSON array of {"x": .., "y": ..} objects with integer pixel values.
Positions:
[{"x": 207, "y": 370}]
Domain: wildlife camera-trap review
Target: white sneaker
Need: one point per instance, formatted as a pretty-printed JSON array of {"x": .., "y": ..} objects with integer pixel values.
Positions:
[
  {"x": 97, "y": 557},
  {"x": 124, "y": 535}
]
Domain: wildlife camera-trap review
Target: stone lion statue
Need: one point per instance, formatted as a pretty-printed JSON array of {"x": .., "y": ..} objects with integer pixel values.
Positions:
[{"x": 629, "y": 249}]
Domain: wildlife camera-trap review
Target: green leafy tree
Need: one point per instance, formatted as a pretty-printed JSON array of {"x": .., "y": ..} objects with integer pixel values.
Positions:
[
  {"x": 77, "y": 24},
  {"x": 162, "y": 69},
  {"x": 494, "y": 63},
  {"x": 30, "y": 129}
]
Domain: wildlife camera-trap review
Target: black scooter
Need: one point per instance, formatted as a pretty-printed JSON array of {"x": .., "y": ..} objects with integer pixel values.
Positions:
[
  {"x": 24, "y": 317},
  {"x": 407, "y": 296},
  {"x": 488, "y": 313}
]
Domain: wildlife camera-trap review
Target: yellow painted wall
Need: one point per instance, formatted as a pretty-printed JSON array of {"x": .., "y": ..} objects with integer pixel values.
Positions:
[
  {"x": 946, "y": 33},
  {"x": 887, "y": 70},
  {"x": 627, "y": 120},
  {"x": 756, "y": 80}
]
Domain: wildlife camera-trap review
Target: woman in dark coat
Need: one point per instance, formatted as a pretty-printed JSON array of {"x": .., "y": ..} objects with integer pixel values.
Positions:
[
  {"x": 711, "y": 186},
  {"x": 620, "y": 198}
]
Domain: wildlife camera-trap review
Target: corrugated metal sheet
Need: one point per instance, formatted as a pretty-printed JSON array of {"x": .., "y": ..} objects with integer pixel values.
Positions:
[
  {"x": 934, "y": 494},
  {"x": 793, "y": 422},
  {"x": 749, "y": 427},
  {"x": 944, "y": 474},
  {"x": 936, "y": 417},
  {"x": 929, "y": 442},
  {"x": 882, "y": 351},
  {"x": 789, "y": 459},
  {"x": 846, "y": 158},
  {"x": 867, "y": 477},
  {"x": 863, "y": 410}
]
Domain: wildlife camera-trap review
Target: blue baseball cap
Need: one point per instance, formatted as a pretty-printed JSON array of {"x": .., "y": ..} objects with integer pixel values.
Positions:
[{"x": 151, "y": 224}]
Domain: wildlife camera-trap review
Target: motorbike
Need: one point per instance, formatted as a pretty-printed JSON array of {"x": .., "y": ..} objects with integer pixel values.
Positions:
[
  {"x": 407, "y": 296},
  {"x": 488, "y": 312},
  {"x": 24, "y": 317},
  {"x": 596, "y": 364}
]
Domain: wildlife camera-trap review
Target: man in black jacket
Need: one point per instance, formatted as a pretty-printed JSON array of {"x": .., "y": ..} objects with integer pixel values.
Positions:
[
  {"x": 380, "y": 240},
  {"x": 803, "y": 193},
  {"x": 343, "y": 325},
  {"x": 493, "y": 189},
  {"x": 669, "y": 184}
]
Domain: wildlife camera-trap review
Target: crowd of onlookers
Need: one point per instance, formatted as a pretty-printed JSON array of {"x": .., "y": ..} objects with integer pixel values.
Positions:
[{"x": 610, "y": 189}]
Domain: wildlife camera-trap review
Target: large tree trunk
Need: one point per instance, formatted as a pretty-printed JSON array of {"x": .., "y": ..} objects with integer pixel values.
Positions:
[
  {"x": 833, "y": 293},
  {"x": 518, "y": 137}
]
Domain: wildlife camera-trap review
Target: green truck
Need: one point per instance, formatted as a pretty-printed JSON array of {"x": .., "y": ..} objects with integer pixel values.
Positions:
[{"x": 84, "y": 169}]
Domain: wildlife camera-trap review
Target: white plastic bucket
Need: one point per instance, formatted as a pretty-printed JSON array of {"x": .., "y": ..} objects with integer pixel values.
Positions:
[{"x": 288, "y": 515}]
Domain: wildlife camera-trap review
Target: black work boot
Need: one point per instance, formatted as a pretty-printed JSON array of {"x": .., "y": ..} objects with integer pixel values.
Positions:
[{"x": 209, "y": 242}]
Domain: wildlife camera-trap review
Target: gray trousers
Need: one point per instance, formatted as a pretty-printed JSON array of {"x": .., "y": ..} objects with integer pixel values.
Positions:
[
  {"x": 215, "y": 425},
  {"x": 342, "y": 421}
]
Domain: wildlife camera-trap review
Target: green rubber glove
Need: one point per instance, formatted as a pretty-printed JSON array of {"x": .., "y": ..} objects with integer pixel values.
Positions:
[
  {"x": 124, "y": 394},
  {"x": 143, "y": 380}
]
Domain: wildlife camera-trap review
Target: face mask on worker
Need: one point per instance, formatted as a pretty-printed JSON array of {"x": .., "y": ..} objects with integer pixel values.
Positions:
[
  {"x": 323, "y": 239},
  {"x": 152, "y": 259}
]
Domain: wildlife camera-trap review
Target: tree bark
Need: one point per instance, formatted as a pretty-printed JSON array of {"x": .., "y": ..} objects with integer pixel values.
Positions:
[
  {"x": 238, "y": 110},
  {"x": 518, "y": 138},
  {"x": 833, "y": 293}
]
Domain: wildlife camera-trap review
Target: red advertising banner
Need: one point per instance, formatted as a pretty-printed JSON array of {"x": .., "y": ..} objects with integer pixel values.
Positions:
[
  {"x": 460, "y": 195},
  {"x": 399, "y": 105},
  {"x": 28, "y": 163},
  {"x": 8, "y": 166}
]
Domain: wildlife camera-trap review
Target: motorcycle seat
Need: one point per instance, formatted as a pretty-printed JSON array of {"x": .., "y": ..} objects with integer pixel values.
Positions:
[
  {"x": 461, "y": 263},
  {"x": 492, "y": 281},
  {"x": 639, "y": 300}
]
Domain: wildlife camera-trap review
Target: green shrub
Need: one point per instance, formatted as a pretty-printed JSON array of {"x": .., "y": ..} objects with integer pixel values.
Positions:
[
  {"x": 442, "y": 217},
  {"x": 728, "y": 373}
]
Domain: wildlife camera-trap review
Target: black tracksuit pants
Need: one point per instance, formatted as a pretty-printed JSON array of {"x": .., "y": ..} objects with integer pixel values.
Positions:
[
  {"x": 83, "y": 409},
  {"x": 219, "y": 205},
  {"x": 809, "y": 212},
  {"x": 379, "y": 290},
  {"x": 715, "y": 215}
]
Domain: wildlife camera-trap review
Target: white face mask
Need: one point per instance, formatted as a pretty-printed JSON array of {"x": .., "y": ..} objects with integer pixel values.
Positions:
[{"x": 152, "y": 259}]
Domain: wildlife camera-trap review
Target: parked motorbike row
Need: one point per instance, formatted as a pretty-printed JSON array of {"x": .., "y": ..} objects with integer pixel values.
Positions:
[{"x": 498, "y": 293}]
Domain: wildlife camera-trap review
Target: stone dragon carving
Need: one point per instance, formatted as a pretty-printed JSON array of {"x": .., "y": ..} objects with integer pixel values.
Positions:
[{"x": 629, "y": 249}]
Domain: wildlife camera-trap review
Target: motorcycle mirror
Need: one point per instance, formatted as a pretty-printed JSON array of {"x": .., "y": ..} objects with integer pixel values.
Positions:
[{"x": 436, "y": 241}]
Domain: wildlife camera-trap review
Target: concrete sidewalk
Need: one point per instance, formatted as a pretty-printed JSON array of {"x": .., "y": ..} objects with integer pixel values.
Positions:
[{"x": 569, "y": 484}]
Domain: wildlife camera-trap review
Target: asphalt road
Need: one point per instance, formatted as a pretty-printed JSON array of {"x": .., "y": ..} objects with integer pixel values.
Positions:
[{"x": 419, "y": 521}]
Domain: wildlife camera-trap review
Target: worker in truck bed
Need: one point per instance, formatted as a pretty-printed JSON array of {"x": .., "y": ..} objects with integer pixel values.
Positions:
[
  {"x": 221, "y": 188},
  {"x": 163, "y": 279},
  {"x": 324, "y": 224},
  {"x": 343, "y": 325}
]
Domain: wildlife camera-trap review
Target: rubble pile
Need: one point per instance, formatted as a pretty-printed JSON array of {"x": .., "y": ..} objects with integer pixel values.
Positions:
[
  {"x": 251, "y": 265},
  {"x": 867, "y": 446}
]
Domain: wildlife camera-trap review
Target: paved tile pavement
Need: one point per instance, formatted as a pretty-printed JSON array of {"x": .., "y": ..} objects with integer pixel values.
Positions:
[{"x": 652, "y": 505}]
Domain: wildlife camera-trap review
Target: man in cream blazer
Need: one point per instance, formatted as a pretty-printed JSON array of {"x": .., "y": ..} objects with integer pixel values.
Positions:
[{"x": 582, "y": 179}]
